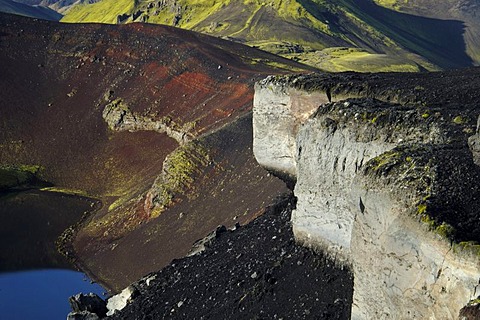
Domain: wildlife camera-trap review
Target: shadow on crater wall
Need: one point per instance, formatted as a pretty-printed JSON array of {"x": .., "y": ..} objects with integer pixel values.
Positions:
[{"x": 440, "y": 41}]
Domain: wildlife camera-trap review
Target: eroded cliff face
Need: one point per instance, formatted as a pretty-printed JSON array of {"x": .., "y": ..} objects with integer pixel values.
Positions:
[
  {"x": 474, "y": 144},
  {"x": 406, "y": 266},
  {"x": 386, "y": 182},
  {"x": 279, "y": 113}
]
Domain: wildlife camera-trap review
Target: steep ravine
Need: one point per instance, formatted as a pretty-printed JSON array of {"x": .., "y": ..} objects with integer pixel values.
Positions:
[{"x": 385, "y": 182}]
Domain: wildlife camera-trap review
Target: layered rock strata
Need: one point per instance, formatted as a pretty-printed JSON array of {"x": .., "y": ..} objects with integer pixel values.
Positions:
[{"x": 386, "y": 183}]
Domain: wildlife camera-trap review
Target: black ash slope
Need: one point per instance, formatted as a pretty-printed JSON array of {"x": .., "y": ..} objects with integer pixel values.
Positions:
[{"x": 254, "y": 272}]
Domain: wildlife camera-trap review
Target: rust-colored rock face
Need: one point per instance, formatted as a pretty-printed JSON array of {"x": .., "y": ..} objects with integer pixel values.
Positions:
[{"x": 56, "y": 81}]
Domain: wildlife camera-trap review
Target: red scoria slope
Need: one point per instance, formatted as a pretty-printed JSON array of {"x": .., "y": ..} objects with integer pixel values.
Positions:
[{"x": 56, "y": 81}]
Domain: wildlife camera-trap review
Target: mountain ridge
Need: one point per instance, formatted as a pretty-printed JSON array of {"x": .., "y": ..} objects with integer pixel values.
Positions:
[
  {"x": 372, "y": 32},
  {"x": 32, "y": 11}
]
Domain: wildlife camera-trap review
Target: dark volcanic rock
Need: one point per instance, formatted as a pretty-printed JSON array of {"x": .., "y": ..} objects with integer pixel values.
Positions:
[
  {"x": 470, "y": 312},
  {"x": 82, "y": 315},
  {"x": 254, "y": 272},
  {"x": 91, "y": 303}
]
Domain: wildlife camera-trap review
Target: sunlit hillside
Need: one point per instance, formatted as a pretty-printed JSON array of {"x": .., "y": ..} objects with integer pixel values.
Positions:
[{"x": 367, "y": 35}]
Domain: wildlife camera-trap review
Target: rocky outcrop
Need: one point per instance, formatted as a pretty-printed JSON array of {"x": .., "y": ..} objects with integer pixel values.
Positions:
[
  {"x": 82, "y": 315},
  {"x": 119, "y": 117},
  {"x": 409, "y": 203},
  {"x": 180, "y": 169},
  {"x": 384, "y": 184},
  {"x": 474, "y": 143},
  {"x": 119, "y": 301},
  {"x": 279, "y": 111},
  {"x": 87, "y": 307},
  {"x": 334, "y": 145}
]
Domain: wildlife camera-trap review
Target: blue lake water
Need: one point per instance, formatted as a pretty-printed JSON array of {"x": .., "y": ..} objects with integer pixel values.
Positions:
[
  {"x": 41, "y": 294},
  {"x": 35, "y": 279}
]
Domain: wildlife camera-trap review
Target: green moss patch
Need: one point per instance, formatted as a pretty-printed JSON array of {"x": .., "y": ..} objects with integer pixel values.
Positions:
[
  {"x": 467, "y": 247},
  {"x": 180, "y": 169},
  {"x": 460, "y": 120},
  {"x": 339, "y": 59},
  {"x": 101, "y": 11},
  {"x": 385, "y": 161},
  {"x": 18, "y": 176}
]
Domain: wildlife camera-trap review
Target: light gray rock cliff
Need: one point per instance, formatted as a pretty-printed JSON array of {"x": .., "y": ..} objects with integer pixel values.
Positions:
[
  {"x": 390, "y": 190},
  {"x": 279, "y": 111},
  {"x": 119, "y": 117},
  {"x": 405, "y": 265},
  {"x": 474, "y": 143}
]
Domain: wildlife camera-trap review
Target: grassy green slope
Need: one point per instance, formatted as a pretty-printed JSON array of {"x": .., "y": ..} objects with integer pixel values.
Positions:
[
  {"x": 303, "y": 29},
  {"x": 337, "y": 59},
  {"x": 245, "y": 20},
  {"x": 102, "y": 11}
]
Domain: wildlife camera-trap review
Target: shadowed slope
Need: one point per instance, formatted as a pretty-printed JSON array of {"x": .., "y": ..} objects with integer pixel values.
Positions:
[
  {"x": 440, "y": 41},
  {"x": 191, "y": 84},
  {"x": 60, "y": 6},
  {"x": 14, "y": 7},
  {"x": 466, "y": 11}
]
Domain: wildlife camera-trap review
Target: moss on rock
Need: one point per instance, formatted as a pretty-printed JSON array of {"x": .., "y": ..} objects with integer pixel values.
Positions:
[
  {"x": 19, "y": 176},
  {"x": 179, "y": 171},
  {"x": 438, "y": 181}
]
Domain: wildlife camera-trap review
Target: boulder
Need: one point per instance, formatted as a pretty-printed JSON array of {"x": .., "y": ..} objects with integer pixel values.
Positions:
[
  {"x": 82, "y": 315},
  {"x": 88, "y": 303},
  {"x": 120, "y": 301}
]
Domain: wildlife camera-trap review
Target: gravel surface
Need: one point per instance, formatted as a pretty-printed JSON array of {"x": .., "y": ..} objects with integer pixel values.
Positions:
[{"x": 254, "y": 272}]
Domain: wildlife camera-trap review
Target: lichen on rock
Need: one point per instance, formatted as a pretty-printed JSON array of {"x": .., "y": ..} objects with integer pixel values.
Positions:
[
  {"x": 118, "y": 116},
  {"x": 19, "y": 176},
  {"x": 178, "y": 175}
]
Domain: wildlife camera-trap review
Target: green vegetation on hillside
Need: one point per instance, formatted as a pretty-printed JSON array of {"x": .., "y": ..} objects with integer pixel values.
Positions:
[
  {"x": 179, "y": 171},
  {"x": 392, "y": 4},
  {"x": 345, "y": 59},
  {"x": 376, "y": 37},
  {"x": 18, "y": 176},
  {"x": 208, "y": 16},
  {"x": 102, "y": 11}
]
